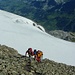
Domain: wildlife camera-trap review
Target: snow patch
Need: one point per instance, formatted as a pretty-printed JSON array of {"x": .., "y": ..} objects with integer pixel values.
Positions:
[
  {"x": 20, "y": 33},
  {"x": 41, "y": 28}
]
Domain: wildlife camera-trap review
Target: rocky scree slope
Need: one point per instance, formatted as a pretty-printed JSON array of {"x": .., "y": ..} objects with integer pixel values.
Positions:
[{"x": 12, "y": 63}]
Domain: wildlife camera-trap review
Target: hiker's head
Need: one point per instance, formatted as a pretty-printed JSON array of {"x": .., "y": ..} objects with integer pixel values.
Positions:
[
  {"x": 38, "y": 50},
  {"x": 34, "y": 50},
  {"x": 29, "y": 48}
]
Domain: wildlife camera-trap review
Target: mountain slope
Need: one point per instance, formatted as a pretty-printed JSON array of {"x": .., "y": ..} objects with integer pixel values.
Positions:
[
  {"x": 20, "y": 33},
  {"x": 69, "y": 36},
  {"x": 52, "y": 14},
  {"x": 12, "y": 63}
]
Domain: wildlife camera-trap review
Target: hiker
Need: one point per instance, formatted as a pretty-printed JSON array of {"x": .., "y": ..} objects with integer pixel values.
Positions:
[
  {"x": 29, "y": 52},
  {"x": 35, "y": 54},
  {"x": 39, "y": 56}
]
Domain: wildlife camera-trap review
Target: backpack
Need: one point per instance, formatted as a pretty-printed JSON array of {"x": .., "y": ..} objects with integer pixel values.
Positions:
[
  {"x": 30, "y": 51},
  {"x": 39, "y": 53}
]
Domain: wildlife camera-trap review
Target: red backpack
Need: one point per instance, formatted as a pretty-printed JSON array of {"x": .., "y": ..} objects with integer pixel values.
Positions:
[{"x": 30, "y": 51}]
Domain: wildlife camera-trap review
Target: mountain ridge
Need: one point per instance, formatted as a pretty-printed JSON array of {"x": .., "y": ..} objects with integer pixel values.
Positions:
[
  {"x": 51, "y": 14},
  {"x": 69, "y": 36},
  {"x": 26, "y": 35},
  {"x": 13, "y": 63}
]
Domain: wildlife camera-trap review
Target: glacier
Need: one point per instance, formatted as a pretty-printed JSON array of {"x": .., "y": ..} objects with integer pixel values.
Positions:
[{"x": 19, "y": 32}]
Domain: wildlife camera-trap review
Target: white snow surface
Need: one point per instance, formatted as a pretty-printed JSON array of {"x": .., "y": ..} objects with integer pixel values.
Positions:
[{"x": 19, "y": 33}]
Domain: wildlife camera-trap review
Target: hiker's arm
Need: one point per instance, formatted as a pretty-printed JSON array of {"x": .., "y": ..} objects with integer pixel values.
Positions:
[{"x": 26, "y": 53}]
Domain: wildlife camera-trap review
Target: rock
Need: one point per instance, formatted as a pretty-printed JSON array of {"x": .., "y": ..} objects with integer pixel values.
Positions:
[
  {"x": 12, "y": 63},
  {"x": 69, "y": 36}
]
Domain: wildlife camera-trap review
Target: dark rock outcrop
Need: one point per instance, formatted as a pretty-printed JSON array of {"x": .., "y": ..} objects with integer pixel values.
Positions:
[
  {"x": 12, "y": 63},
  {"x": 69, "y": 36}
]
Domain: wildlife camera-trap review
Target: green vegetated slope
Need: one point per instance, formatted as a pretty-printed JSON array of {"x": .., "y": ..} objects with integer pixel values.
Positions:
[
  {"x": 51, "y": 14},
  {"x": 12, "y": 63}
]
